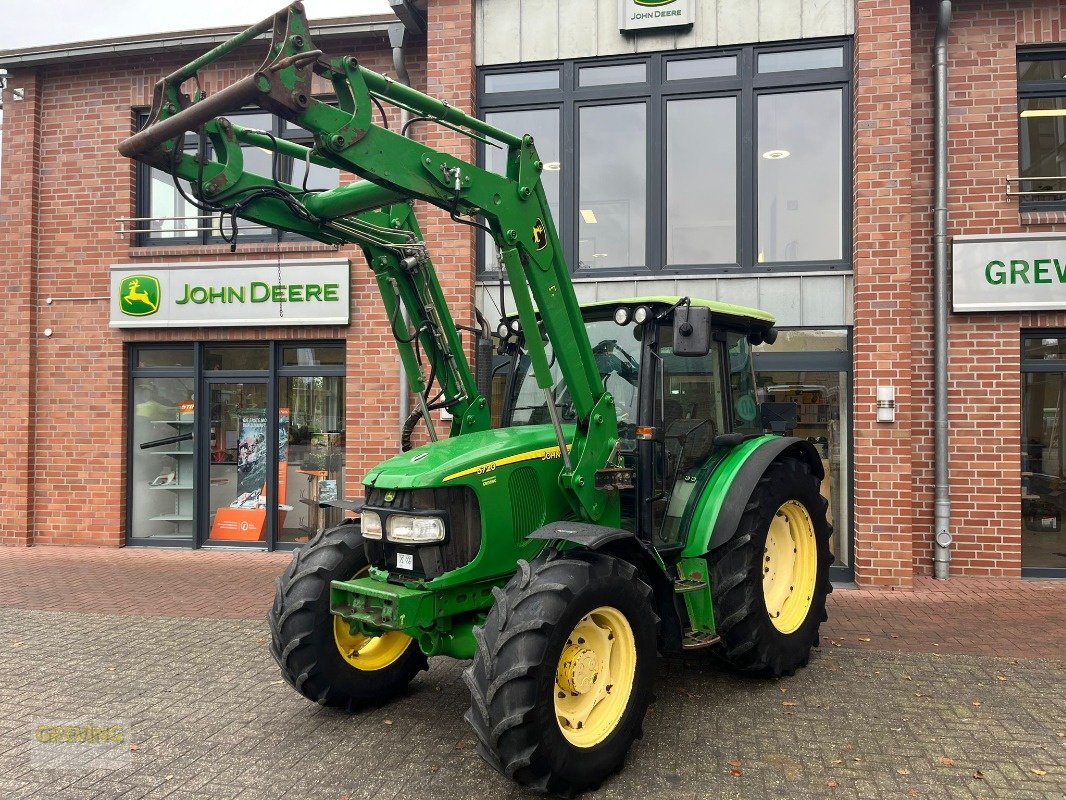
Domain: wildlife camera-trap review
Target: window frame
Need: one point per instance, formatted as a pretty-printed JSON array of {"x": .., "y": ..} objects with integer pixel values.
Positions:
[
  {"x": 1036, "y": 90},
  {"x": 280, "y": 128},
  {"x": 745, "y": 86}
]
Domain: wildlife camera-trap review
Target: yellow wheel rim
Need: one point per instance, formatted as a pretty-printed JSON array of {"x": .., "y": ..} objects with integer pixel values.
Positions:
[
  {"x": 368, "y": 653},
  {"x": 789, "y": 567},
  {"x": 595, "y": 677}
]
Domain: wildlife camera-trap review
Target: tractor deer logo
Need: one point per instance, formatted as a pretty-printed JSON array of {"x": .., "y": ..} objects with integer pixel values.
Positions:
[{"x": 138, "y": 295}]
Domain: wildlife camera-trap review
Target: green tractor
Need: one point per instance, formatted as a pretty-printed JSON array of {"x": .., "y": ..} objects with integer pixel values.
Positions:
[{"x": 628, "y": 503}]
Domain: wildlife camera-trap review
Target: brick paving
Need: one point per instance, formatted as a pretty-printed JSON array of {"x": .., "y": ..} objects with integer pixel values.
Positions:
[
  {"x": 977, "y": 616},
  {"x": 173, "y": 646}
]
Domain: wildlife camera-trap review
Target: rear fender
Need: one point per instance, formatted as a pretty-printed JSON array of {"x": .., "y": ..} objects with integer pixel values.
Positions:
[
  {"x": 626, "y": 546},
  {"x": 721, "y": 505}
]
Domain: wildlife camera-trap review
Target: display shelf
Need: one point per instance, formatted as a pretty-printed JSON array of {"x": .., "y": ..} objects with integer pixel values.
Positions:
[
  {"x": 171, "y": 453},
  {"x": 171, "y": 518},
  {"x": 172, "y": 421},
  {"x": 173, "y": 486}
]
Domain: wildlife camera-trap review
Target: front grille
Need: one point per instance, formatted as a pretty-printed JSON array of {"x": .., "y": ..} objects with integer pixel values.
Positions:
[
  {"x": 462, "y": 514},
  {"x": 527, "y": 504}
]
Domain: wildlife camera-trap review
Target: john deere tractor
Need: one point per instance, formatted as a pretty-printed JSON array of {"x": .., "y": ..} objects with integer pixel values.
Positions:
[{"x": 628, "y": 504}]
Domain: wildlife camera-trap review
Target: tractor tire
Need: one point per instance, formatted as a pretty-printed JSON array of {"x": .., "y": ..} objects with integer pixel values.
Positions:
[
  {"x": 562, "y": 676},
  {"x": 769, "y": 583},
  {"x": 317, "y": 654}
]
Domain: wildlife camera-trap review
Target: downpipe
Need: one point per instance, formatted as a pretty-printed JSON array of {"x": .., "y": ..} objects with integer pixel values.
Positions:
[{"x": 942, "y": 538}]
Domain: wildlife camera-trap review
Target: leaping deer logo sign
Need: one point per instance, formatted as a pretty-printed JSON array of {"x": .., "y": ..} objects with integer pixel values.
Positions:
[{"x": 138, "y": 295}]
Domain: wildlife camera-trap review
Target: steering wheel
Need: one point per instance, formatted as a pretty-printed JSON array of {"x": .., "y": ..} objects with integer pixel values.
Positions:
[
  {"x": 684, "y": 430},
  {"x": 612, "y": 358}
]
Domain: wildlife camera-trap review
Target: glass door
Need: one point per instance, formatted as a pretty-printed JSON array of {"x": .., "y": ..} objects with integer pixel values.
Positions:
[
  {"x": 812, "y": 369},
  {"x": 1043, "y": 481},
  {"x": 238, "y": 461}
]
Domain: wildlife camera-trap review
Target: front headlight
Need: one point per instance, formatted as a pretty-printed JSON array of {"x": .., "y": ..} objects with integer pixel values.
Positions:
[
  {"x": 370, "y": 522},
  {"x": 414, "y": 530}
]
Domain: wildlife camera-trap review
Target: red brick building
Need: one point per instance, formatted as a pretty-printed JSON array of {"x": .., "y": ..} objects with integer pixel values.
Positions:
[{"x": 813, "y": 121}]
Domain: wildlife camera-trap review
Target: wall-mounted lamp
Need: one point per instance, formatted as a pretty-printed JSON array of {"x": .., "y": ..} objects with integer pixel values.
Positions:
[{"x": 886, "y": 403}]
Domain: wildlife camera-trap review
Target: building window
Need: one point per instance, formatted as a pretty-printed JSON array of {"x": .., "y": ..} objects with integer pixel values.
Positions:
[
  {"x": 724, "y": 161},
  {"x": 168, "y": 216},
  {"x": 1042, "y": 129}
]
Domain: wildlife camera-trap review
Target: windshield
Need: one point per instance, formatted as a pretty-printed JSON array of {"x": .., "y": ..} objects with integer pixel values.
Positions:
[{"x": 617, "y": 350}]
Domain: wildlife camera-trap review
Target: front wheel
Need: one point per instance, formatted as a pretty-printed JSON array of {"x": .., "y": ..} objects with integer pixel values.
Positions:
[
  {"x": 316, "y": 650},
  {"x": 769, "y": 583},
  {"x": 562, "y": 676}
]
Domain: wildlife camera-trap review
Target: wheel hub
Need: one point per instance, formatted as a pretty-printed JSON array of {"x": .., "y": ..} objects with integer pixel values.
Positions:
[{"x": 579, "y": 668}]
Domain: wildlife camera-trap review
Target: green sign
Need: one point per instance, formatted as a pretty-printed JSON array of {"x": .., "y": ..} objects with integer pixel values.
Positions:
[
  {"x": 1008, "y": 272},
  {"x": 138, "y": 295}
]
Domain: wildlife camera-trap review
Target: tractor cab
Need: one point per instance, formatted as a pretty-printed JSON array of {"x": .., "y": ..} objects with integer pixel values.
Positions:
[{"x": 680, "y": 372}]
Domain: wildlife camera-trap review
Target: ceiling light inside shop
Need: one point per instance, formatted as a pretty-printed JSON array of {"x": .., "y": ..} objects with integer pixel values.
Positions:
[
  {"x": 1044, "y": 112},
  {"x": 588, "y": 216},
  {"x": 552, "y": 166},
  {"x": 776, "y": 155}
]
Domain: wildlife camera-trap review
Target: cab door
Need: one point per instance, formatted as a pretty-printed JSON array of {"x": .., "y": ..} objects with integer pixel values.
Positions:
[{"x": 690, "y": 398}]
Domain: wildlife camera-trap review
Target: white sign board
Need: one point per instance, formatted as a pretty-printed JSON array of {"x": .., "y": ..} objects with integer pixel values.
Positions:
[
  {"x": 1018, "y": 272},
  {"x": 213, "y": 294},
  {"x": 639, "y": 15}
]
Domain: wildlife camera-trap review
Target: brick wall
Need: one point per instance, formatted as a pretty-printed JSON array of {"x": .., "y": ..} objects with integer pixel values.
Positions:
[
  {"x": 985, "y": 381},
  {"x": 882, "y": 263},
  {"x": 18, "y": 325},
  {"x": 64, "y": 185}
]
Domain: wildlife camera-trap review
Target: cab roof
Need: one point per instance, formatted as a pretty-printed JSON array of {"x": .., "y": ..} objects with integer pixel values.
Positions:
[{"x": 741, "y": 314}]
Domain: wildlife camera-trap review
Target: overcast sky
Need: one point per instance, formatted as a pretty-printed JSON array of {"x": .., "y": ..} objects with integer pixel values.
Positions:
[{"x": 49, "y": 22}]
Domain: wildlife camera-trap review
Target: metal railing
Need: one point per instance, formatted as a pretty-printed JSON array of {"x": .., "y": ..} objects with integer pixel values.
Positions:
[
  {"x": 176, "y": 227},
  {"x": 1037, "y": 193}
]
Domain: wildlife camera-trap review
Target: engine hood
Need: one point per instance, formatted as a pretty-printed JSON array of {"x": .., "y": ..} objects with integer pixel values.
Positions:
[{"x": 450, "y": 461}]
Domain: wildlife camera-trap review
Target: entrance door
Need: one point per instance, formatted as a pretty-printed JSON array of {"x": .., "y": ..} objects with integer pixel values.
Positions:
[
  {"x": 238, "y": 460},
  {"x": 1044, "y": 454}
]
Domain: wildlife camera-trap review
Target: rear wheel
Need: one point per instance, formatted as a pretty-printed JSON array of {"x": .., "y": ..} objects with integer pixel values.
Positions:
[
  {"x": 316, "y": 650},
  {"x": 769, "y": 583},
  {"x": 562, "y": 676}
]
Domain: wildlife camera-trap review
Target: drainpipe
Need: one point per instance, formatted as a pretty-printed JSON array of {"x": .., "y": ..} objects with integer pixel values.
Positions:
[
  {"x": 397, "y": 35},
  {"x": 942, "y": 497}
]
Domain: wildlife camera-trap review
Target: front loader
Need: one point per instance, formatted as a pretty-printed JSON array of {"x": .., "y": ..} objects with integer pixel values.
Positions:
[{"x": 630, "y": 503}]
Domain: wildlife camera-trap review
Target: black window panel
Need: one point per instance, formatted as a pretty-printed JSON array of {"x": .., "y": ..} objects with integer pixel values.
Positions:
[
  {"x": 611, "y": 217},
  {"x": 525, "y": 81},
  {"x": 808, "y": 58},
  {"x": 701, "y": 196},
  {"x": 800, "y": 176},
  {"x": 1042, "y": 130},
  {"x": 174, "y": 218},
  {"x": 698, "y": 157},
  {"x": 543, "y": 125}
]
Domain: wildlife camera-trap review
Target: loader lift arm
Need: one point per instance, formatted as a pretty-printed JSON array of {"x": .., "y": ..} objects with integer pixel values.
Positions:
[{"x": 375, "y": 213}]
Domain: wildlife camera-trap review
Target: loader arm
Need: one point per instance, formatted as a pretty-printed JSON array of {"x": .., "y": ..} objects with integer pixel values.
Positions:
[{"x": 375, "y": 213}]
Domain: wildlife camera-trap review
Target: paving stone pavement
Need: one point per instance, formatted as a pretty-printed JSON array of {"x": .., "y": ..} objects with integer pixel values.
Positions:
[{"x": 207, "y": 716}]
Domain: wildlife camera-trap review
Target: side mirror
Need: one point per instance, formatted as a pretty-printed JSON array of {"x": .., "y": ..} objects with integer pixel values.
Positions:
[{"x": 692, "y": 331}]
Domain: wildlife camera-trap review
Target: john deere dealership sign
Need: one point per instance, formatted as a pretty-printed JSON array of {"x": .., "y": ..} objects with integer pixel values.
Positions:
[
  {"x": 1008, "y": 273},
  {"x": 638, "y": 15},
  {"x": 303, "y": 292}
]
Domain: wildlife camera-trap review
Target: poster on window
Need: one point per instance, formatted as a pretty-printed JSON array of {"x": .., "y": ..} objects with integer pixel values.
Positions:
[{"x": 245, "y": 518}]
